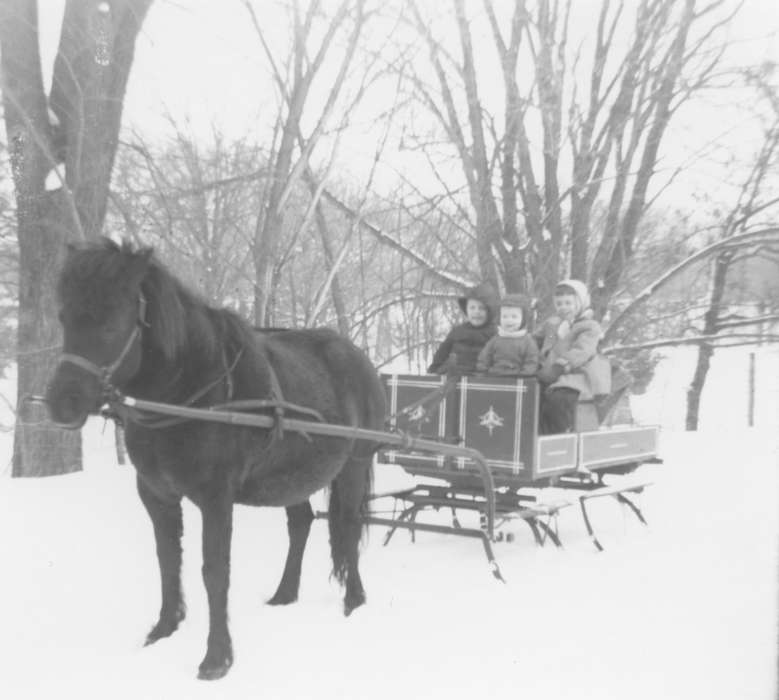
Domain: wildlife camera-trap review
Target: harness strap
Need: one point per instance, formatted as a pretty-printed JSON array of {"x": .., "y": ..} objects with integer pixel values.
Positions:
[
  {"x": 277, "y": 396},
  {"x": 276, "y": 403},
  {"x": 190, "y": 400},
  {"x": 104, "y": 374},
  {"x": 83, "y": 363}
]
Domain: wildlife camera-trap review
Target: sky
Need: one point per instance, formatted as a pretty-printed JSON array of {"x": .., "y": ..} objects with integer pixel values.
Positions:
[{"x": 200, "y": 64}]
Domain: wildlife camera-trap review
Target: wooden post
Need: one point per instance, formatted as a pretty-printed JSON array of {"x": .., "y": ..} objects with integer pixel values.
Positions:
[
  {"x": 121, "y": 452},
  {"x": 751, "y": 399}
]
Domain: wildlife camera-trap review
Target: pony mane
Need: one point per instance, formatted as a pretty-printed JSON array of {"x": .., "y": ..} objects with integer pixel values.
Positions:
[
  {"x": 166, "y": 313},
  {"x": 99, "y": 277},
  {"x": 180, "y": 318}
]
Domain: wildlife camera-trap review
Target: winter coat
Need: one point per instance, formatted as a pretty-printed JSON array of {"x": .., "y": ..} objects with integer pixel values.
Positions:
[
  {"x": 509, "y": 355},
  {"x": 577, "y": 352},
  {"x": 459, "y": 350}
]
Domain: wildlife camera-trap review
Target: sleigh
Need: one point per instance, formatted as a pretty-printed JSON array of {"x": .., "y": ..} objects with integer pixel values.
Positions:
[{"x": 532, "y": 477}]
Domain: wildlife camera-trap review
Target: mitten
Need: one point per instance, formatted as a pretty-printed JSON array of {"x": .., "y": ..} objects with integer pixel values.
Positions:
[{"x": 549, "y": 375}]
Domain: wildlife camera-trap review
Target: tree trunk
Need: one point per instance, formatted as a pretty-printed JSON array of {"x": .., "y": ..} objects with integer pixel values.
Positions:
[
  {"x": 40, "y": 448},
  {"x": 694, "y": 393},
  {"x": 488, "y": 223},
  {"x": 89, "y": 80},
  {"x": 339, "y": 303},
  {"x": 622, "y": 251},
  {"x": 705, "y": 350}
]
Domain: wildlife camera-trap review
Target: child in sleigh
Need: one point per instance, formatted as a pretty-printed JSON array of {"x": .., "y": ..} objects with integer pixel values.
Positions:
[{"x": 571, "y": 368}]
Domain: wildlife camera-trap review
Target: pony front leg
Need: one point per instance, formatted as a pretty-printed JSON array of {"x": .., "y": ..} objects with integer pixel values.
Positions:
[
  {"x": 217, "y": 511},
  {"x": 167, "y": 522},
  {"x": 299, "y": 518}
]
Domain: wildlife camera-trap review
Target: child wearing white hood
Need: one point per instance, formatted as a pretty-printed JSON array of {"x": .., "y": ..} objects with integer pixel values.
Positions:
[{"x": 569, "y": 347}]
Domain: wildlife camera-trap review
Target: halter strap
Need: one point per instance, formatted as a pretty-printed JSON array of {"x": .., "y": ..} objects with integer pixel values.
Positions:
[{"x": 106, "y": 373}]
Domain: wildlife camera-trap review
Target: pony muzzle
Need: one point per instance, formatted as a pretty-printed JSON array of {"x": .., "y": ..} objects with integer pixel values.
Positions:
[
  {"x": 68, "y": 411},
  {"x": 75, "y": 425},
  {"x": 71, "y": 398}
]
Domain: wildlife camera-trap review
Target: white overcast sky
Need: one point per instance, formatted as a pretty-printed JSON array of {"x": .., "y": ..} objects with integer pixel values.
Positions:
[{"x": 200, "y": 61}]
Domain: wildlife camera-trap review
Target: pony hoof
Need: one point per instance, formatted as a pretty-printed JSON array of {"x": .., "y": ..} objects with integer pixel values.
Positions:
[
  {"x": 213, "y": 672},
  {"x": 159, "y": 632},
  {"x": 156, "y": 634},
  {"x": 352, "y": 604},
  {"x": 282, "y": 599},
  {"x": 164, "y": 628}
]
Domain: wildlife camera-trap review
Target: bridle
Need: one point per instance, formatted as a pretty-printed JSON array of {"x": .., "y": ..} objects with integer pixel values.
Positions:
[
  {"x": 118, "y": 409},
  {"x": 106, "y": 373}
]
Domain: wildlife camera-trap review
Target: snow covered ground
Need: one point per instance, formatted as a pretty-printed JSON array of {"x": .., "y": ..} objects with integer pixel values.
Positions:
[
  {"x": 725, "y": 399},
  {"x": 686, "y": 608}
]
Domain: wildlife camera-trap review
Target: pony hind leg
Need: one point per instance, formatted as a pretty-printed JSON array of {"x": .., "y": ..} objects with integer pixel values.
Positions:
[
  {"x": 347, "y": 495},
  {"x": 299, "y": 518},
  {"x": 167, "y": 523}
]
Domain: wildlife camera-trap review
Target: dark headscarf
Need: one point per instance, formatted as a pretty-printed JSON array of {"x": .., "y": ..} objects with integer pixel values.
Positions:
[{"x": 486, "y": 294}]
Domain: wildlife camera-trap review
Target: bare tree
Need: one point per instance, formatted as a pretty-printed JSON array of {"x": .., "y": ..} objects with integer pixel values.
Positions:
[
  {"x": 532, "y": 222},
  {"x": 196, "y": 201},
  {"x": 291, "y": 152},
  {"x": 752, "y": 200},
  {"x": 61, "y": 150}
]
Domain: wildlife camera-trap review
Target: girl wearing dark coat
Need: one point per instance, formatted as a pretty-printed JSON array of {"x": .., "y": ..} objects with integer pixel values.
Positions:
[{"x": 458, "y": 352}]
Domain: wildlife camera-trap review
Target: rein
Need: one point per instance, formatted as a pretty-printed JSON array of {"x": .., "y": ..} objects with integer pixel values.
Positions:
[
  {"x": 148, "y": 422},
  {"x": 181, "y": 413}
]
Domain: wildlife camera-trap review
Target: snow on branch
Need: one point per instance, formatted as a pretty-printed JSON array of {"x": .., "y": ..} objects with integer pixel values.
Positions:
[
  {"x": 730, "y": 242},
  {"x": 394, "y": 243},
  {"x": 729, "y": 340}
]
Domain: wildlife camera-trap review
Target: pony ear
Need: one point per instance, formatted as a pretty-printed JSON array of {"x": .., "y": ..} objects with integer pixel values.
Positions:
[
  {"x": 140, "y": 264},
  {"x": 72, "y": 247}
]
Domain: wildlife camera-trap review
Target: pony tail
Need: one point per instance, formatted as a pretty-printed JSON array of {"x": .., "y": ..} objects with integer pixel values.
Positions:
[
  {"x": 367, "y": 499},
  {"x": 345, "y": 516},
  {"x": 335, "y": 522}
]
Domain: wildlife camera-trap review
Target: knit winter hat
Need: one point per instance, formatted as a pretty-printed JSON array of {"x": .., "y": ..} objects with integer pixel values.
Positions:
[{"x": 521, "y": 302}]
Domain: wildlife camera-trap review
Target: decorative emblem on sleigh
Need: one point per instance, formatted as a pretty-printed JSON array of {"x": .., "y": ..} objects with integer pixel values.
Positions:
[{"x": 491, "y": 420}]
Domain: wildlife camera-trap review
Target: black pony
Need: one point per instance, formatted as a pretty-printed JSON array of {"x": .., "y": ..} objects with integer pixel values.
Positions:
[{"x": 130, "y": 325}]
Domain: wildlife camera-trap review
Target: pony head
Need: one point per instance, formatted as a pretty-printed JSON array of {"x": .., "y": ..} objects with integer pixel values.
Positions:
[{"x": 116, "y": 304}]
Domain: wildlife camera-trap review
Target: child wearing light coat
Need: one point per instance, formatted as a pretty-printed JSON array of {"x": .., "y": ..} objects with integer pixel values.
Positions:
[{"x": 571, "y": 368}]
